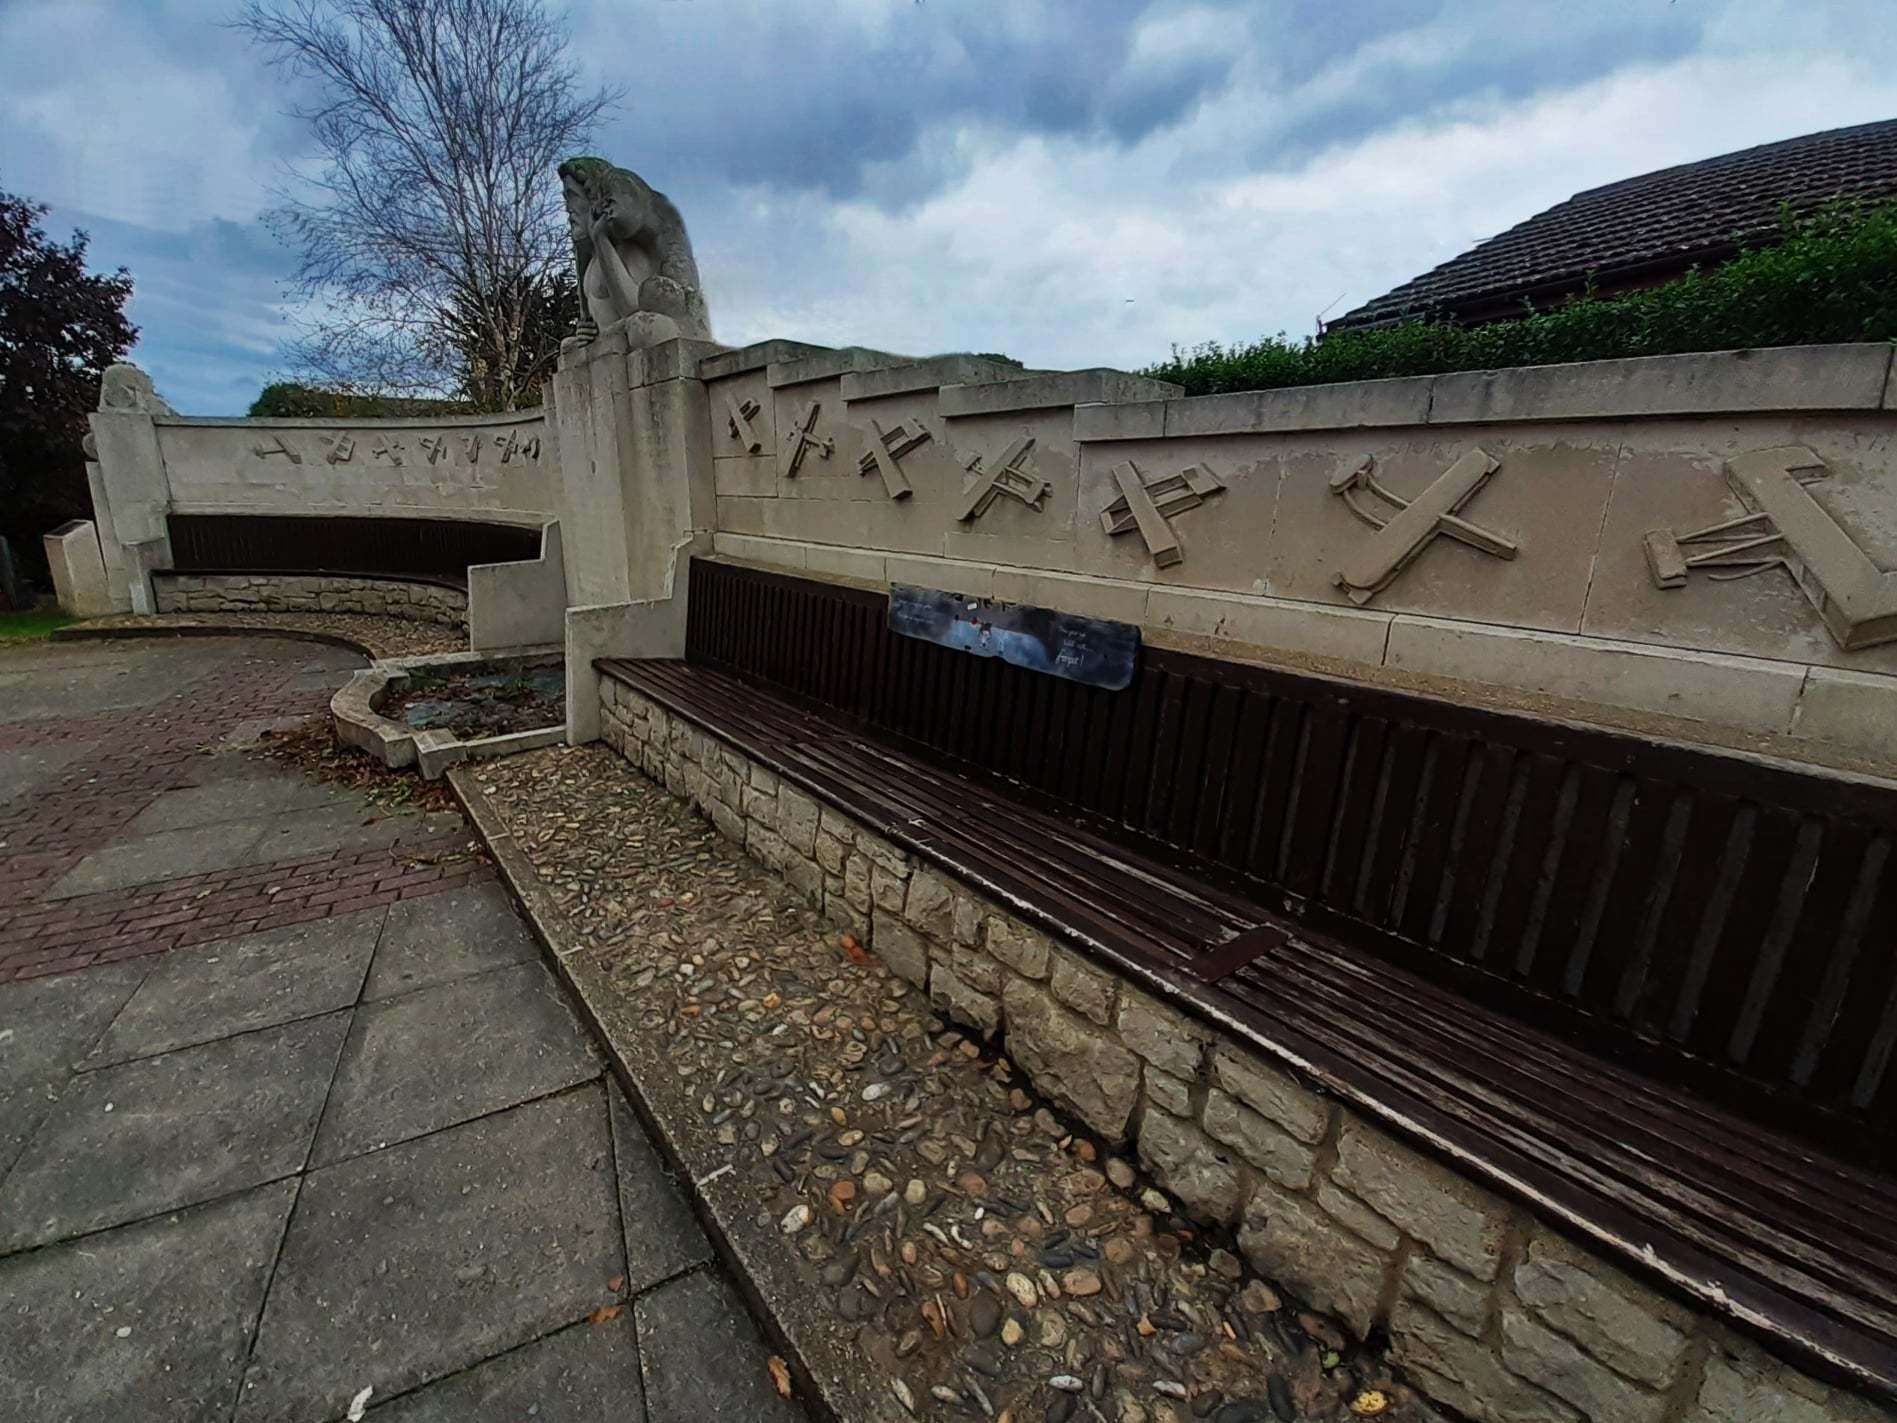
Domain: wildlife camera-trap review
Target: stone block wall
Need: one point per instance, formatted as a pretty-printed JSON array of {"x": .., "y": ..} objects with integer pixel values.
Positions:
[
  {"x": 311, "y": 593},
  {"x": 1255, "y": 521},
  {"x": 1487, "y": 1309}
]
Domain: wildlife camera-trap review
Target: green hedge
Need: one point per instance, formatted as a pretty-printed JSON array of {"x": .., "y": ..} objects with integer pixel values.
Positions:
[
  {"x": 1832, "y": 277},
  {"x": 287, "y": 399}
]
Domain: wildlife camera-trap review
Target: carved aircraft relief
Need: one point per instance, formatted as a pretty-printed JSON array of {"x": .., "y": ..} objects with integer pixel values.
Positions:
[
  {"x": 275, "y": 446},
  {"x": 1785, "y": 527},
  {"x": 1414, "y": 523},
  {"x": 739, "y": 415},
  {"x": 1009, "y": 476},
  {"x": 885, "y": 452},
  {"x": 1149, "y": 505},
  {"x": 803, "y": 440}
]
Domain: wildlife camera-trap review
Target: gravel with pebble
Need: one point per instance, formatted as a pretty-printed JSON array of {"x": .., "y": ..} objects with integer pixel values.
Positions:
[
  {"x": 987, "y": 1257},
  {"x": 383, "y": 637}
]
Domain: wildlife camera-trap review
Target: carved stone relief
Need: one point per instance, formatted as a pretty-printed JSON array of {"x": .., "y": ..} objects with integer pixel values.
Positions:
[
  {"x": 1149, "y": 505},
  {"x": 340, "y": 448},
  {"x": 738, "y": 415},
  {"x": 1009, "y": 476},
  {"x": 1785, "y": 527},
  {"x": 1415, "y": 523},
  {"x": 803, "y": 439},
  {"x": 511, "y": 446},
  {"x": 886, "y": 449}
]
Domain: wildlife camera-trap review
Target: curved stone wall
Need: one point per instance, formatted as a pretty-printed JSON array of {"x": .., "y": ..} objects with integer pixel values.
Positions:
[{"x": 310, "y": 593}]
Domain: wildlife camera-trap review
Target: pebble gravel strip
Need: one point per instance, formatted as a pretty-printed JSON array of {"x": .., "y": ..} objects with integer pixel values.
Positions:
[
  {"x": 380, "y": 636},
  {"x": 934, "y": 1240}
]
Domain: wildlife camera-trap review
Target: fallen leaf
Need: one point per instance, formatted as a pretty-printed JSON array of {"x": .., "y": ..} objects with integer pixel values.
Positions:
[
  {"x": 605, "y": 1314},
  {"x": 780, "y": 1376},
  {"x": 616, "y": 1283}
]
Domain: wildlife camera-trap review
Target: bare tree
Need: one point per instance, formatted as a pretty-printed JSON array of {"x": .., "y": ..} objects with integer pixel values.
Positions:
[{"x": 431, "y": 230}]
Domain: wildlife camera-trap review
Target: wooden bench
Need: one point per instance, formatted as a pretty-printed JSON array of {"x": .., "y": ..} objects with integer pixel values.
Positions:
[{"x": 1647, "y": 989}]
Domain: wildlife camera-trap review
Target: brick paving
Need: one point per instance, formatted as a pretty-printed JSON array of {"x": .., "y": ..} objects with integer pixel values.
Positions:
[{"x": 114, "y": 764}]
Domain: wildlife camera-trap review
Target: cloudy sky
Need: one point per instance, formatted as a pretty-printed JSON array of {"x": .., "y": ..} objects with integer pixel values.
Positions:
[{"x": 1074, "y": 182}]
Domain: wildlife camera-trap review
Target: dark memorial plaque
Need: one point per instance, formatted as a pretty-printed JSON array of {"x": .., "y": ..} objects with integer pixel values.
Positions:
[{"x": 1092, "y": 651}]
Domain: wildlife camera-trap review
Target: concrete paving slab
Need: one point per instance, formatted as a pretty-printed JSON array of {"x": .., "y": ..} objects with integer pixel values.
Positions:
[
  {"x": 588, "y": 1373},
  {"x": 27, "y": 768},
  {"x": 353, "y": 823},
  {"x": 167, "y": 1132},
  {"x": 148, "y": 1322},
  {"x": 443, "y": 1055},
  {"x": 234, "y": 985},
  {"x": 265, "y": 793},
  {"x": 663, "y": 1237},
  {"x": 702, "y": 1356},
  {"x": 448, "y": 936},
  {"x": 46, "y": 1025},
  {"x": 414, "y": 1263},
  {"x": 170, "y": 854}
]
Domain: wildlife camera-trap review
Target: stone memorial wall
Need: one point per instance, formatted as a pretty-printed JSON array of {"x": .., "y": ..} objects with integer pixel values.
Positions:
[{"x": 1705, "y": 537}]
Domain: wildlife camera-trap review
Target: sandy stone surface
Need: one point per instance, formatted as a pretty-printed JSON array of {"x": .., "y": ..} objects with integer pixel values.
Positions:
[{"x": 921, "y": 1213}]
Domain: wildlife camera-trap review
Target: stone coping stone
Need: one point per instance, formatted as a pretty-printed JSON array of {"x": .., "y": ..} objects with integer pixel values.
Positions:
[
  {"x": 1853, "y": 376},
  {"x": 756, "y": 357},
  {"x": 824, "y": 364},
  {"x": 317, "y": 422},
  {"x": 924, "y": 375},
  {"x": 1050, "y": 389}
]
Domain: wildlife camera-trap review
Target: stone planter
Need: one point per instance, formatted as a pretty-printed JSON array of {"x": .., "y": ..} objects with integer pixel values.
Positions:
[{"x": 356, "y": 711}]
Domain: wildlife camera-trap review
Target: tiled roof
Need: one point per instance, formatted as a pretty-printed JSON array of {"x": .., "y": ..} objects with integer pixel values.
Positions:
[{"x": 1657, "y": 223}]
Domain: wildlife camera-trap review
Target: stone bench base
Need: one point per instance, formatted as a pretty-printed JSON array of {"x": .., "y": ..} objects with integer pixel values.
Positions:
[
  {"x": 1489, "y": 1311},
  {"x": 310, "y": 593}
]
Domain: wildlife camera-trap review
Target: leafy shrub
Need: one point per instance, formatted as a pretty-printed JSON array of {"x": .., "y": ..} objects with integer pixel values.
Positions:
[
  {"x": 1831, "y": 277},
  {"x": 287, "y": 399}
]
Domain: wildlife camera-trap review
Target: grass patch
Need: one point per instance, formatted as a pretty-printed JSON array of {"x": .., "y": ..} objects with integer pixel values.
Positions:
[{"x": 33, "y": 626}]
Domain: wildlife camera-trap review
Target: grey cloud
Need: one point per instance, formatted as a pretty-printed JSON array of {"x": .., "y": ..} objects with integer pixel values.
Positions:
[{"x": 814, "y": 99}]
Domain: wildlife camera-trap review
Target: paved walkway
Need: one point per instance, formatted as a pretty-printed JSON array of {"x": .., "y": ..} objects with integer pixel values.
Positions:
[{"x": 252, "y": 1166}]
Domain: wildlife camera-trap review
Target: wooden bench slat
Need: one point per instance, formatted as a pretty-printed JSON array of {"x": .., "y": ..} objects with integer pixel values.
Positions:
[{"x": 1758, "y": 1224}]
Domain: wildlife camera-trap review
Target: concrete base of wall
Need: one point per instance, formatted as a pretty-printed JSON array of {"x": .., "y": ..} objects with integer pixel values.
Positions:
[
  {"x": 310, "y": 593},
  {"x": 1489, "y": 1310}
]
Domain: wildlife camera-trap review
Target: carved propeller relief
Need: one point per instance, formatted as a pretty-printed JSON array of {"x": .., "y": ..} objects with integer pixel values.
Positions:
[
  {"x": 1149, "y": 505},
  {"x": 1785, "y": 527},
  {"x": 1009, "y": 475},
  {"x": 885, "y": 452},
  {"x": 1414, "y": 523}
]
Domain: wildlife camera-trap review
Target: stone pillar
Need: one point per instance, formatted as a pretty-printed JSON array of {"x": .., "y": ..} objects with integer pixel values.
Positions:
[
  {"x": 667, "y": 483},
  {"x": 72, "y": 551},
  {"x": 589, "y": 413},
  {"x": 634, "y": 435}
]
